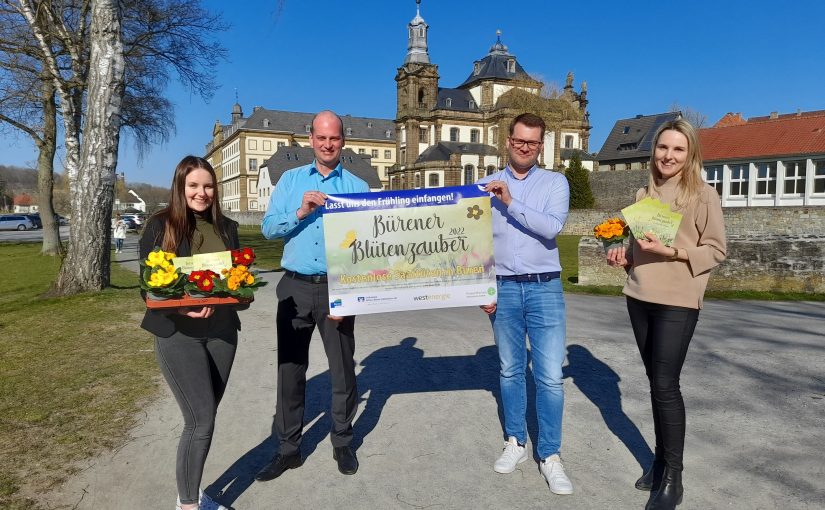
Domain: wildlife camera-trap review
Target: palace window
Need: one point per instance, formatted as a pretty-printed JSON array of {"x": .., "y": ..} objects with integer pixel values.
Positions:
[
  {"x": 476, "y": 68},
  {"x": 491, "y": 169},
  {"x": 469, "y": 174},
  {"x": 448, "y": 102},
  {"x": 454, "y": 134},
  {"x": 266, "y": 122},
  {"x": 511, "y": 66},
  {"x": 281, "y": 144},
  {"x": 819, "y": 176},
  {"x": 349, "y": 131},
  {"x": 795, "y": 177},
  {"x": 253, "y": 165},
  {"x": 713, "y": 176},
  {"x": 739, "y": 176},
  {"x": 374, "y": 153},
  {"x": 387, "y": 154},
  {"x": 307, "y": 128},
  {"x": 417, "y": 180},
  {"x": 766, "y": 178},
  {"x": 472, "y": 104},
  {"x": 362, "y": 151},
  {"x": 387, "y": 134},
  {"x": 434, "y": 180},
  {"x": 423, "y": 135},
  {"x": 474, "y": 135},
  {"x": 568, "y": 141}
]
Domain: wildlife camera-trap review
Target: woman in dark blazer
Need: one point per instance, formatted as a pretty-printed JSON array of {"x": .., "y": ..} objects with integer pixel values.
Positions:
[{"x": 195, "y": 346}]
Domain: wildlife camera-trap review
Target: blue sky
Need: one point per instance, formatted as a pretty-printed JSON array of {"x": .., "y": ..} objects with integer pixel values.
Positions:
[{"x": 638, "y": 57}]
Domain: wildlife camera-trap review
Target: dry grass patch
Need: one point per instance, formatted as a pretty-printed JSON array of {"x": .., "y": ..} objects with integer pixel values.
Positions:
[{"x": 74, "y": 373}]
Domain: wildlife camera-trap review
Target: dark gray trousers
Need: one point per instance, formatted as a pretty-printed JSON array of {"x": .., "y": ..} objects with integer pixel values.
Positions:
[
  {"x": 197, "y": 370},
  {"x": 301, "y": 307}
]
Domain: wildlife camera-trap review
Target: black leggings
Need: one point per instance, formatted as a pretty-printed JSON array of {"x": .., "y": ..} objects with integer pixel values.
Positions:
[
  {"x": 197, "y": 370},
  {"x": 663, "y": 334}
]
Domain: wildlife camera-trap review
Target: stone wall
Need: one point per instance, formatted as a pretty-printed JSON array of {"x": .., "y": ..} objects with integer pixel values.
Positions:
[
  {"x": 247, "y": 218},
  {"x": 769, "y": 249},
  {"x": 617, "y": 189}
]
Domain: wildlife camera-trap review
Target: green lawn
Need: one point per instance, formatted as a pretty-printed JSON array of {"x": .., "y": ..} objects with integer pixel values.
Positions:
[{"x": 74, "y": 372}]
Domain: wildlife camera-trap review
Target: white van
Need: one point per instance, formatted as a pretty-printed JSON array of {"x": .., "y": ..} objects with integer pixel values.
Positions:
[{"x": 15, "y": 222}]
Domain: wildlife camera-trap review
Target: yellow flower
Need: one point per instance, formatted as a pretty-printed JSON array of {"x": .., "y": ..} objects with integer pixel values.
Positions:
[
  {"x": 250, "y": 279},
  {"x": 155, "y": 258},
  {"x": 233, "y": 283}
]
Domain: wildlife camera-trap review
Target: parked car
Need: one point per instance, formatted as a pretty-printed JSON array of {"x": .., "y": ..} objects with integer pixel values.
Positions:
[
  {"x": 61, "y": 220},
  {"x": 130, "y": 224},
  {"x": 135, "y": 218},
  {"x": 35, "y": 219},
  {"x": 15, "y": 222}
]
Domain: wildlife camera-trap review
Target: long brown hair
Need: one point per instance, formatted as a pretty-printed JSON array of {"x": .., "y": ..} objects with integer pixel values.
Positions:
[
  {"x": 690, "y": 183},
  {"x": 179, "y": 219}
]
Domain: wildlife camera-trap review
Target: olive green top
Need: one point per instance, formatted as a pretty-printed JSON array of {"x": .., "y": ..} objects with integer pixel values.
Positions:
[{"x": 205, "y": 239}]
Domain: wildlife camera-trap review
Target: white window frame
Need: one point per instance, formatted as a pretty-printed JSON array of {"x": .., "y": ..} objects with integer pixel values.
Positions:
[
  {"x": 742, "y": 179},
  {"x": 769, "y": 168},
  {"x": 794, "y": 174},
  {"x": 818, "y": 177},
  {"x": 718, "y": 179}
]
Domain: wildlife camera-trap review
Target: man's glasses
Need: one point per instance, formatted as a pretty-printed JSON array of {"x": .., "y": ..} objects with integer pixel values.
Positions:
[{"x": 518, "y": 143}]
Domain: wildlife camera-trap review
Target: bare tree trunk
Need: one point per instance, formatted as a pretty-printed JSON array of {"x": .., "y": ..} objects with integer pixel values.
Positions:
[
  {"x": 45, "y": 171},
  {"x": 86, "y": 266}
]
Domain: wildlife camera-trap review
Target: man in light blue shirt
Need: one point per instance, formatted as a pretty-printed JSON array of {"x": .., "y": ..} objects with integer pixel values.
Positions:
[
  {"x": 303, "y": 299},
  {"x": 530, "y": 207}
]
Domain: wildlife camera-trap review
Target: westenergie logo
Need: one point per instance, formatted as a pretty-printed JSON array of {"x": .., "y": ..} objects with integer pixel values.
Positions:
[{"x": 432, "y": 297}]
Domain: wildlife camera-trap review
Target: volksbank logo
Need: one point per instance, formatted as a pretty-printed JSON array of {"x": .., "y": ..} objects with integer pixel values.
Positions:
[{"x": 432, "y": 297}]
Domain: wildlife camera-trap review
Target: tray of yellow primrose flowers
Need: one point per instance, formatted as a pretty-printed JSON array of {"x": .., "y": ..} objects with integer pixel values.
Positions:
[{"x": 221, "y": 278}]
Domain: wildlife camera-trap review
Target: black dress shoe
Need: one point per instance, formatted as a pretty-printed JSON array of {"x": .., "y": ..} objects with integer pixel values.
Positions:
[
  {"x": 670, "y": 492},
  {"x": 347, "y": 463},
  {"x": 652, "y": 478},
  {"x": 278, "y": 465}
]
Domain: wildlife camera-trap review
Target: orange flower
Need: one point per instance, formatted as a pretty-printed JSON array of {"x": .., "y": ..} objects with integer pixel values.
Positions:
[{"x": 612, "y": 228}]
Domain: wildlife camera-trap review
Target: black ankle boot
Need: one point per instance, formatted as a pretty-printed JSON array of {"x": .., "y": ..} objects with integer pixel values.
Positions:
[
  {"x": 653, "y": 477},
  {"x": 670, "y": 491}
]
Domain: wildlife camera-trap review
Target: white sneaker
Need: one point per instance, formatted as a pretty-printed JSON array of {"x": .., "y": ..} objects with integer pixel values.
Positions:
[
  {"x": 200, "y": 497},
  {"x": 553, "y": 472},
  {"x": 512, "y": 456}
]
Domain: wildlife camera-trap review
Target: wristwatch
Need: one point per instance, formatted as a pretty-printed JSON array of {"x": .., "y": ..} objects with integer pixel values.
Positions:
[{"x": 675, "y": 255}]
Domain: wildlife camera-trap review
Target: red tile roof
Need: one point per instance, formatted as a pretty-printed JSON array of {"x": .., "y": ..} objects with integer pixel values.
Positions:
[
  {"x": 24, "y": 199},
  {"x": 785, "y": 135}
]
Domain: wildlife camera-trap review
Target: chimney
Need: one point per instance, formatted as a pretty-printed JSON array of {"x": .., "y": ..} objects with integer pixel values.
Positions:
[{"x": 774, "y": 115}]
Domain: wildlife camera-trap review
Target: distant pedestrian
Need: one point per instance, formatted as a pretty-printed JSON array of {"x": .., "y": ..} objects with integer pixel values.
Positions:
[
  {"x": 529, "y": 208},
  {"x": 119, "y": 233},
  {"x": 303, "y": 300},
  {"x": 664, "y": 289},
  {"x": 195, "y": 346}
]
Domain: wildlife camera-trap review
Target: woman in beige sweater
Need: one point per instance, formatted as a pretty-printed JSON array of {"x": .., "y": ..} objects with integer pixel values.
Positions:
[{"x": 664, "y": 289}]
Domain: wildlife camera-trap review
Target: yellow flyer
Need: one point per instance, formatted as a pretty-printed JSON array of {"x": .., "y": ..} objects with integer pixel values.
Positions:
[
  {"x": 216, "y": 261},
  {"x": 651, "y": 215}
]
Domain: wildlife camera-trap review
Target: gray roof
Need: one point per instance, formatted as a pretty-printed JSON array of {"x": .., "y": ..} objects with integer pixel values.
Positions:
[
  {"x": 631, "y": 139},
  {"x": 287, "y": 158},
  {"x": 443, "y": 150},
  {"x": 297, "y": 122},
  {"x": 494, "y": 66},
  {"x": 460, "y": 100},
  {"x": 583, "y": 155}
]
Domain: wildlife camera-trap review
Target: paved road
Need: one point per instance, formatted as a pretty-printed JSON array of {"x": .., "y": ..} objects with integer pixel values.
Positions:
[
  {"x": 428, "y": 427},
  {"x": 25, "y": 236}
]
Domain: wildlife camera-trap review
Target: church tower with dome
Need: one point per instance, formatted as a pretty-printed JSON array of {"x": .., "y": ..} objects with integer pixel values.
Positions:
[{"x": 454, "y": 136}]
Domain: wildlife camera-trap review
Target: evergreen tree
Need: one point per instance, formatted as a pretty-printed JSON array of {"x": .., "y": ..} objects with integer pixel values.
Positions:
[{"x": 581, "y": 197}]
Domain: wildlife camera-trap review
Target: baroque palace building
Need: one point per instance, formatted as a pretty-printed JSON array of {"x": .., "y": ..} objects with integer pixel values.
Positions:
[
  {"x": 454, "y": 136},
  {"x": 238, "y": 149}
]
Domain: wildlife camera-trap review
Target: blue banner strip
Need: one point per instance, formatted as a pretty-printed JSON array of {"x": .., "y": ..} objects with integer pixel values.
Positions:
[{"x": 401, "y": 198}]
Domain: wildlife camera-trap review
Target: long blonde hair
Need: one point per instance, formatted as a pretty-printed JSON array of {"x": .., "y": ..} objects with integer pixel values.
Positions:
[{"x": 691, "y": 183}]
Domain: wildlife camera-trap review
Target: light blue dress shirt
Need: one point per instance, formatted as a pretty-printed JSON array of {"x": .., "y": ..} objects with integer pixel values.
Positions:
[
  {"x": 524, "y": 234},
  {"x": 304, "y": 239}
]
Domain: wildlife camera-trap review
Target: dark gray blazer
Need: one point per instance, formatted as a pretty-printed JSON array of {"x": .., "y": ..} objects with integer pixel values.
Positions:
[{"x": 166, "y": 323}]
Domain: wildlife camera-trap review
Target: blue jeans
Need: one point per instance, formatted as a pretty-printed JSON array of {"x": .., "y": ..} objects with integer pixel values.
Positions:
[{"x": 534, "y": 310}]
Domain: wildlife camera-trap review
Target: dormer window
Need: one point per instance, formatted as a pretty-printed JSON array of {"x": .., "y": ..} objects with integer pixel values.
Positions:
[
  {"x": 369, "y": 124},
  {"x": 476, "y": 68},
  {"x": 387, "y": 133},
  {"x": 307, "y": 127},
  {"x": 472, "y": 104},
  {"x": 626, "y": 130},
  {"x": 266, "y": 122},
  {"x": 448, "y": 102},
  {"x": 420, "y": 31},
  {"x": 511, "y": 66},
  {"x": 349, "y": 131}
]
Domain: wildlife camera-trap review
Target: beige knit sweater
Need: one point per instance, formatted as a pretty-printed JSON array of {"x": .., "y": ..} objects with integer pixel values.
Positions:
[{"x": 700, "y": 239}]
